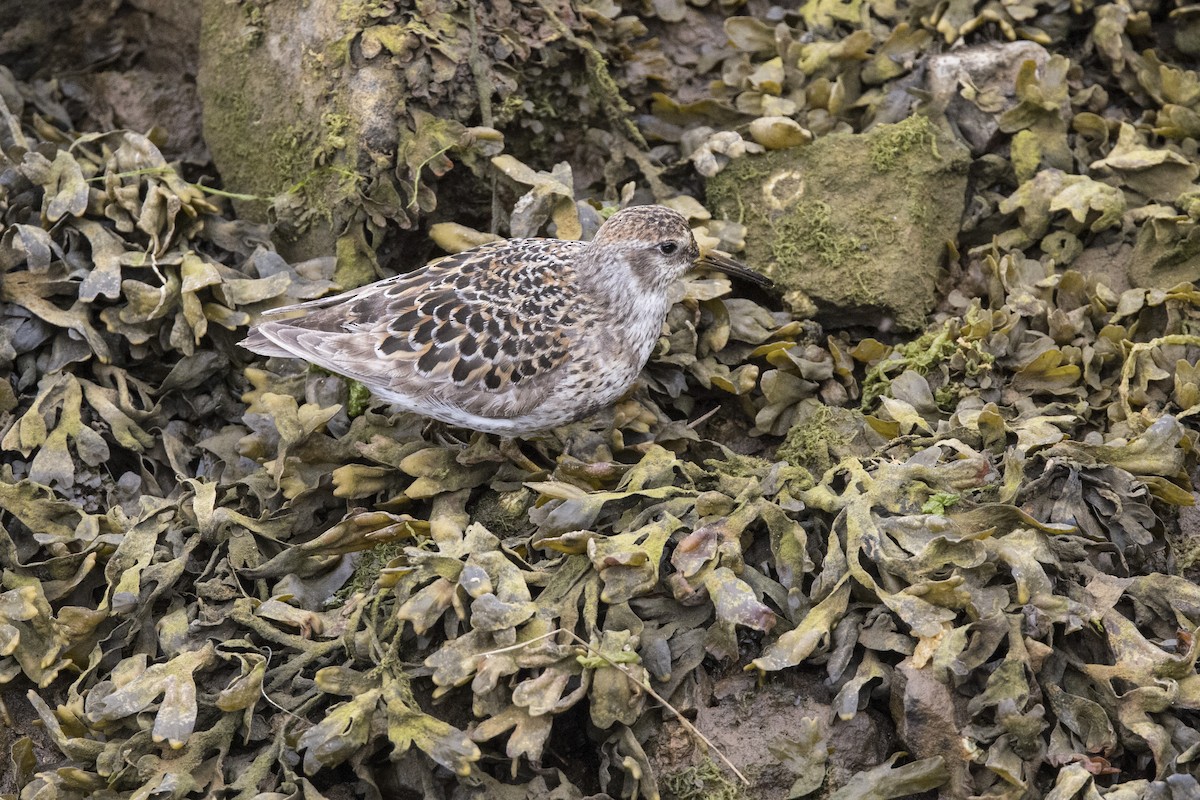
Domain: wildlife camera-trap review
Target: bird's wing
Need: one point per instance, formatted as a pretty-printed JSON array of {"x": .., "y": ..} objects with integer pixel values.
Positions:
[{"x": 486, "y": 320}]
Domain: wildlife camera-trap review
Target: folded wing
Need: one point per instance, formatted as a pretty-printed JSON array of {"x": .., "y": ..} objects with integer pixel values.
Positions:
[{"x": 466, "y": 329}]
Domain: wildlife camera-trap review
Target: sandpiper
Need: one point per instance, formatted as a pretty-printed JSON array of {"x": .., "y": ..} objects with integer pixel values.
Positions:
[{"x": 511, "y": 337}]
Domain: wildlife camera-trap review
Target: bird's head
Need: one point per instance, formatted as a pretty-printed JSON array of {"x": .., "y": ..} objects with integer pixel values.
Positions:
[{"x": 654, "y": 246}]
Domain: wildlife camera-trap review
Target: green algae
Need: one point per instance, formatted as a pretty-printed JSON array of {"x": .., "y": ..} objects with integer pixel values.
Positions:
[
  {"x": 819, "y": 438},
  {"x": 702, "y": 781},
  {"x": 812, "y": 229},
  {"x": 894, "y": 142},
  {"x": 922, "y": 355}
]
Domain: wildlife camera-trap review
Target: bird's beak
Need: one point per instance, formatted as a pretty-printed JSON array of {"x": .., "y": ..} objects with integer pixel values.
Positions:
[{"x": 732, "y": 268}]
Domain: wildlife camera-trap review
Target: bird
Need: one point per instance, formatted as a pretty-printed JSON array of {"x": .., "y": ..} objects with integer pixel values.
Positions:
[{"x": 513, "y": 337}]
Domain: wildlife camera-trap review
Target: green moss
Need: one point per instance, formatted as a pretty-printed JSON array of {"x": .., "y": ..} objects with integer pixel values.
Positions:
[
  {"x": 810, "y": 228},
  {"x": 337, "y": 52},
  {"x": 703, "y": 781},
  {"x": 509, "y": 109},
  {"x": 917, "y": 355},
  {"x": 289, "y": 150},
  {"x": 335, "y": 126},
  {"x": 814, "y": 441},
  {"x": 891, "y": 143},
  {"x": 948, "y": 396}
]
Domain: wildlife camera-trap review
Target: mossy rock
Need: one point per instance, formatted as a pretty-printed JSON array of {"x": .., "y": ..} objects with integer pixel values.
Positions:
[
  {"x": 856, "y": 224},
  {"x": 291, "y": 127}
]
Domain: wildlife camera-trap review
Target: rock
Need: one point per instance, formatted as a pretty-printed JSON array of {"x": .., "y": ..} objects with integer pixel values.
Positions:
[
  {"x": 285, "y": 116},
  {"x": 855, "y": 223},
  {"x": 746, "y": 722},
  {"x": 975, "y": 85},
  {"x": 339, "y": 125}
]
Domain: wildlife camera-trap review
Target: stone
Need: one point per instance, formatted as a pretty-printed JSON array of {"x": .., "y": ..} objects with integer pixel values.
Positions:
[{"x": 853, "y": 228}]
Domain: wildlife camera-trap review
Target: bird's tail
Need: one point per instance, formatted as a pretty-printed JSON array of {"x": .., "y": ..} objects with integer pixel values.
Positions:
[{"x": 257, "y": 343}]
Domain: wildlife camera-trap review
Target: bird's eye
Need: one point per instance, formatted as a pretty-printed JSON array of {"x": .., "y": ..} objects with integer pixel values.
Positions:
[{"x": 668, "y": 248}]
